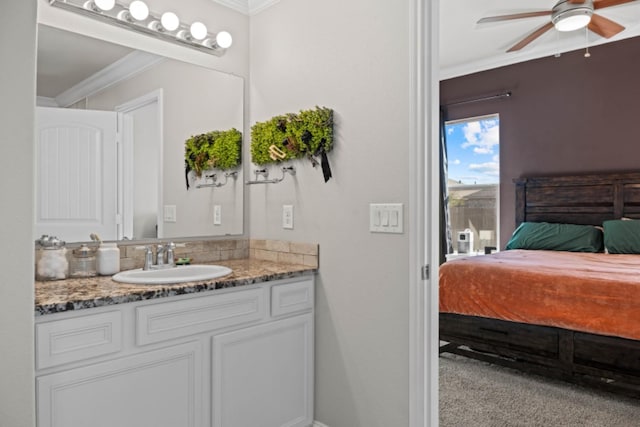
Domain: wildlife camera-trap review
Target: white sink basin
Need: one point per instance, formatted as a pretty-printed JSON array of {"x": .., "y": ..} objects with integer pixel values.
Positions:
[{"x": 180, "y": 274}]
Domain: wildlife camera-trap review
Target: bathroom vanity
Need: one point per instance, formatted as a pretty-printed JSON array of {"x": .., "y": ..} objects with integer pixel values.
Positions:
[{"x": 231, "y": 352}]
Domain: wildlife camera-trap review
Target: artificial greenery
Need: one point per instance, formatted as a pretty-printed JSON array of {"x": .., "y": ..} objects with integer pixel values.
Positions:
[
  {"x": 305, "y": 134},
  {"x": 265, "y": 134},
  {"x": 216, "y": 149}
]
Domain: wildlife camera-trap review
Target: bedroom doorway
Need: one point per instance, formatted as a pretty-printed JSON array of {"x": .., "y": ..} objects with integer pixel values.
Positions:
[{"x": 472, "y": 172}]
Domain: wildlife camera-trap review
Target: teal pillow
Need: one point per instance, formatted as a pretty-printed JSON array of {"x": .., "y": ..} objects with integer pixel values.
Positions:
[
  {"x": 622, "y": 236},
  {"x": 556, "y": 237}
]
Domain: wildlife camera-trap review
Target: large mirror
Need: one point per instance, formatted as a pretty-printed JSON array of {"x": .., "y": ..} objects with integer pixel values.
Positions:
[{"x": 112, "y": 125}]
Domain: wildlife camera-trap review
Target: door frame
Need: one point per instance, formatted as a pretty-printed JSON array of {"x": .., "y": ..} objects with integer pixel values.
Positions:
[
  {"x": 424, "y": 184},
  {"x": 125, "y": 168}
]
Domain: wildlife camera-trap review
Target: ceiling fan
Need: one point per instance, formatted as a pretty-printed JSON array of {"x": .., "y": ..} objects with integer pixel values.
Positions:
[{"x": 567, "y": 15}]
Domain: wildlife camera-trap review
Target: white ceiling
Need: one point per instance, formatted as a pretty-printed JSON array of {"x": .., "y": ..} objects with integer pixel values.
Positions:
[
  {"x": 65, "y": 59},
  {"x": 467, "y": 47}
]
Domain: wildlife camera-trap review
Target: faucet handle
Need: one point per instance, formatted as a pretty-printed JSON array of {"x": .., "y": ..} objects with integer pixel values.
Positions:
[
  {"x": 148, "y": 256},
  {"x": 172, "y": 245},
  {"x": 170, "y": 252}
]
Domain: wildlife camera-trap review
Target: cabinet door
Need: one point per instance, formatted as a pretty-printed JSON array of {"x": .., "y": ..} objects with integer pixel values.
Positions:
[
  {"x": 263, "y": 376},
  {"x": 161, "y": 388}
]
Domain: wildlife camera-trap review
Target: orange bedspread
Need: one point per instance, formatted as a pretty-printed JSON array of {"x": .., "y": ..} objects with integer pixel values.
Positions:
[{"x": 596, "y": 293}]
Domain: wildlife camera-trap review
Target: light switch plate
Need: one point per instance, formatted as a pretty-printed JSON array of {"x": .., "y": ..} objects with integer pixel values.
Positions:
[
  {"x": 385, "y": 217},
  {"x": 287, "y": 217},
  {"x": 169, "y": 213},
  {"x": 217, "y": 215}
]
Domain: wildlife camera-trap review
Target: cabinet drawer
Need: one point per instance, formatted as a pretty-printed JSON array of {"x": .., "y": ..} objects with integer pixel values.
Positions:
[
  {"x": 603, "y": 352},
  {"x": 160, "y": 322},
  {"x": 71, "y": 340},
  {"x": 291, "y": 298},
  {"x": 492, "y": 335}
]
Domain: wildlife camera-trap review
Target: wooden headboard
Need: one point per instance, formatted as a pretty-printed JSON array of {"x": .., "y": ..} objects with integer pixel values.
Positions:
[{"x": 578, "y": 199}]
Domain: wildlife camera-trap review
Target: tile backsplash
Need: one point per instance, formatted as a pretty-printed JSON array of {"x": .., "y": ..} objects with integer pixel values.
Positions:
[
  {"x": 208, "y": 251},
  {"x": 200, "y": 251},
  {"x": 285, "y": 251}
]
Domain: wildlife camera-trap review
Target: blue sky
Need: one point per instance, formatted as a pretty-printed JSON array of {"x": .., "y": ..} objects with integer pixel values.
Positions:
[{"x": 473, "y": 149}]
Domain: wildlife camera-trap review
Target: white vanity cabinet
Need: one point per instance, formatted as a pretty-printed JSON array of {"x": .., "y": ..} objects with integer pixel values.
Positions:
[{"x": 240, "y": 357}]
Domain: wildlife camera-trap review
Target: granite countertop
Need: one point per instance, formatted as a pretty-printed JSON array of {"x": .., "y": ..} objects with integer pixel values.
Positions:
[{"x": 76, "y": 294}]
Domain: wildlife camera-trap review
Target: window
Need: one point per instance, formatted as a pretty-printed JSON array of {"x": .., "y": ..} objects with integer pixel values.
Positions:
[{"x": 473, "y": 153}]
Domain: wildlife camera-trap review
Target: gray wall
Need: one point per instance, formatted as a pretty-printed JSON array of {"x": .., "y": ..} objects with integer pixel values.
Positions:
[
  {"x": 17, "y": 48},
  {"x": 353, "y": 57},
  {"x": 567, "y": 115}
]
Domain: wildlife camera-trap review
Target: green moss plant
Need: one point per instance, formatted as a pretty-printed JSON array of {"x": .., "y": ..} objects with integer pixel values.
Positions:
[
  {"x": 265, "y": 134},
  {"x": 306, "y": 133},
  {"x": 216, "y": 149}
]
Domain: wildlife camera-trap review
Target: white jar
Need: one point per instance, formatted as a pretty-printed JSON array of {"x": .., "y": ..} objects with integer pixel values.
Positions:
[{"x": 108, "y": 256}]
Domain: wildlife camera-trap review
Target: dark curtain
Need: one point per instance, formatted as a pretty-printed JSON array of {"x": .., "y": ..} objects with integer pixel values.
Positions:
[{"x": 446, "y": 241}]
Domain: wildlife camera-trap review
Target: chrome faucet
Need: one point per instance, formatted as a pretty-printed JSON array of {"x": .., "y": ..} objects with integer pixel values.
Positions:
[{"x": 161, "y": 249}]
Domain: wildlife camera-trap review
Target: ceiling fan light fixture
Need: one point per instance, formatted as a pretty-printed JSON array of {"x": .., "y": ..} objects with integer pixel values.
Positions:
[{"x": 573, "y": 20}]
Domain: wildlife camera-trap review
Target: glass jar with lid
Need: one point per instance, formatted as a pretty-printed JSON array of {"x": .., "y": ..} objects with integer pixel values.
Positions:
[
  {"x": 51, "y": 257},
  {"x": 83, "y": 263}
]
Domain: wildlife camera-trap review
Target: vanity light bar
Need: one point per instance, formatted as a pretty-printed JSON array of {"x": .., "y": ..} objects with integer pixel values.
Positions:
[{"x": 137, "y": 17}]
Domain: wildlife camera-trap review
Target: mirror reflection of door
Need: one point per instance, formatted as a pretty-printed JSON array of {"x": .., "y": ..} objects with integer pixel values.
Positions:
[
  {"x": 141, "y": 173},
  {"x": 76, "y": 173}
]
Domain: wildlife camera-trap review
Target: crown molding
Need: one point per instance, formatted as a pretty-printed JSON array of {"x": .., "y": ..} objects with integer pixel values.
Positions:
[
  {"x": 247, "y": 7},
  {"x": 257, "y": 6},
  {"x": 44, "y": 101},
  {"x": 130, "y": 65}
]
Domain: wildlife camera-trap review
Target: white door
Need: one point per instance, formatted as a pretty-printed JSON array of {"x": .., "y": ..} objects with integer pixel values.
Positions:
[
  {"x": 141, "y": 183},
  {"x": 76, "y": 173}
]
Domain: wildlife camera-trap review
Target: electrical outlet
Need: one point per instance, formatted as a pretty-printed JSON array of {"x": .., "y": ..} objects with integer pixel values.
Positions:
[
  {"x": 287, "y": 217},
  {"x": 217, "y": 215}
]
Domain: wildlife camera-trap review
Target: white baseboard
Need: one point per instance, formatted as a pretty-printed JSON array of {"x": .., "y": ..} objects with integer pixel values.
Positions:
[{"x": 318, "y": 424}]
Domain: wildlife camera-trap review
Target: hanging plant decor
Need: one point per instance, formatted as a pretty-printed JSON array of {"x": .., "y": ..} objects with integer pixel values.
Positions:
[
  {"x": 212, "y": 150},
  {"x": 308, "y": 133}
]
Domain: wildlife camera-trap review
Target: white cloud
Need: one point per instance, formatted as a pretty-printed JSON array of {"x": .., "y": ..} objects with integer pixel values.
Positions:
[
  {"x": 488, "y": 168},
  {"x": 449, "y": 131},
  {"x": 456, "y": 162},
  {"x": 482, "y": 135}
]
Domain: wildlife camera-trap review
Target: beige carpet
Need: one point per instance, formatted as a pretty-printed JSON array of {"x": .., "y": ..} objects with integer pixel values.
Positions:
[{"x": 477, "y": 394}]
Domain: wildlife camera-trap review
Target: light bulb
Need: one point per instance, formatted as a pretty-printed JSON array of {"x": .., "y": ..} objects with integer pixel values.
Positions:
[
  {"x": 198, "y": 30},
  {"x": 170, "y": 21},
  {"x": 572, "y": 23},
  {"x": 105, "y": 4},
  {"x": 224, "y": 39},
  {"x": 139, "y": 10}
]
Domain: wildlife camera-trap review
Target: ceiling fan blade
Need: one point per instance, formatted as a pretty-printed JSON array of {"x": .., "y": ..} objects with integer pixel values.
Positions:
[
  {"x": 531, "y": 37},
  {"x": 604, "y": 27},
  {"x": 599, "y": 4},
  {"x": 514, "y": 16}
]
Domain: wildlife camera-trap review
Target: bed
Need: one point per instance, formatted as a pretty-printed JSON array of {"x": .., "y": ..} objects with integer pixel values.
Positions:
[{"x": 566, "y": 315}]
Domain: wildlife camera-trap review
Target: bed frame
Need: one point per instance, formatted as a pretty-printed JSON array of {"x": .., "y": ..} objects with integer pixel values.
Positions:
[{"x": 605, "y": 362}]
